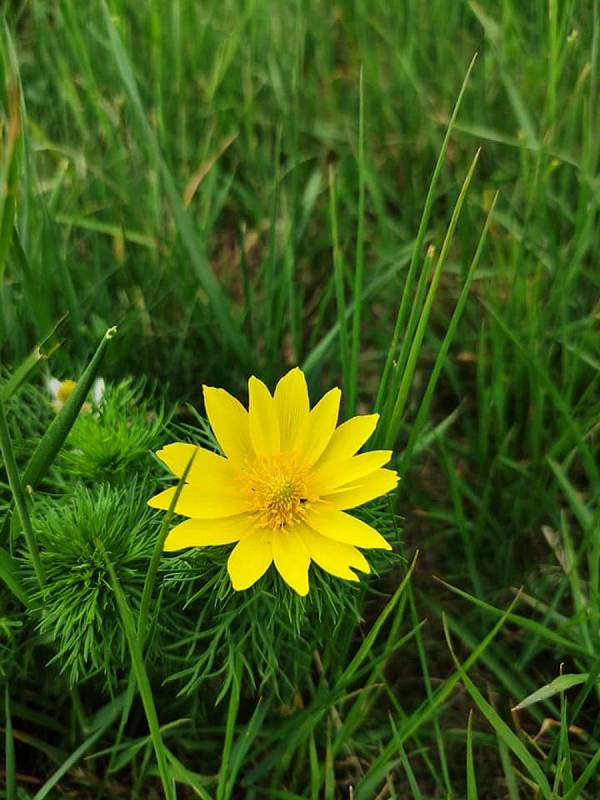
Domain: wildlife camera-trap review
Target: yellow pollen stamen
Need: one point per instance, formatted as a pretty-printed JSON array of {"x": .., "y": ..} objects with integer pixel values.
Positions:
[
  {"x": 276, "y": 492},
  {"x": 65, "y": 390}
]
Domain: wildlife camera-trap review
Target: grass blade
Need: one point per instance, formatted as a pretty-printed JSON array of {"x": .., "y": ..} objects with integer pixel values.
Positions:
[
  {"x": 16, "y": 488},
  {"x": 243, "y": 743},
  {"x": 10, "y": 169},
  {"x": 440, "y": 360},
  {"x": 359, "y": 257},
  {"x": 224, "y": 786},
  {"x": 21, "y": 374},
  {"x": 104, "y": 720},
  {"x": 524, "y": 622},
  {"x": 588, "y": 773},
  {"x": 423, "y": 713},
  {"x": 368, "y": 641},
  {"x": 10, "y": 573},
  {"x": 9, "y": 750},
  {"x": 340, "y": 291},
  {"x": 471, "y": 780},
  {"x": 508, "y": 736},
  {"x": 191, "y": 241},
  {"x": 418, "y": 246},
  {"x": 391, "y": 426},
  {"x": 53, "y": 439},
  {"x": 141, "y": 676},
  {"x": 146, "y": 599},
  {"x": 560, "y": 684}
]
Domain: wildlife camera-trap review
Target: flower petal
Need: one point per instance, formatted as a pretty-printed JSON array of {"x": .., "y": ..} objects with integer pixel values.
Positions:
[
  {"x": 377, "y": 483},
  {"x": 264, "y": 420},
  {"x": 348, "y": 439},
  {"x": 201, "y": 502},
  {"x": 344, "y": 528},
  {"x": 206, "y": 532},
  {"x": 250, "y": 559},
  {"x": 178, "y": 454},
  {"x": 347, "y": 472},
  {"x": 53, "y": 385},
  {"x": 292, "y": 404},
  {"x": 319, "y": 427},
  {"x": 229, "y": 420},
  {"x": 333, "y": 556},
  {"x": 291, "y": 559}
]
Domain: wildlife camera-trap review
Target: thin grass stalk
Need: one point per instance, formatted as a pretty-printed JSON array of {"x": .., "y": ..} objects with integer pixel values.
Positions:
[
  {"x": 141, "y": 676},
  {"x": 359, "y": 257},
  {"x": 391, "y": 427},
  {"x": 421, "y": 233},
  {"x": 586, "y": 776},
  {"x": 340, "y": 294},
  {"x": 104, "y": 719},
  {"x": 416, "y": 311},
  {"x": 147, "y": 590},
  {"x": 471, "y": 779},
  {"x": 17, "y": 492},
  {"x": 228, "y": 326},
  {"x": 53, "y": 439},
  {"x": 224, "y": 787},
  {"x": 157, "y": 553},
  {"x": 9, "y": 176},
  {"x": 429, "y": 690},
  {"x": 10, "y": 574},
  {"x": 510, "y": 738},
  {"x": 440, "y": 360},
  {"x": 21, "y": 374},
  {"x": 9, "y": 750},
  {"x": 427, "y": 709}
]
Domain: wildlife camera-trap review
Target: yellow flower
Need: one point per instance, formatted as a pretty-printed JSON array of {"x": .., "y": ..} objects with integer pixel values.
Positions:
[{"x": 283, "y": 486}]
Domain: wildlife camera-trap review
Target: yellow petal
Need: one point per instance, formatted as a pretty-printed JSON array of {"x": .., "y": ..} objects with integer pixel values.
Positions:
[
  {"x": 319, "y": 427},
  {"x": 292, "y": 559},
  {"x": 198, "y": 502},
  {"x": 249, "y": 560},
  {"x": 229, "y": 420},
  {"x": 264, "y": 420},
  {"x": 347, "y": 472},
  {"x": 291, "y": 401},
  {"x": 377, "y": 483},
  {"x": 205, "y": 532},
  {"x": 332, "y": 556},
  {"x": 344, "y": 528},
  {"x": 177, "y": 456},
  {"x": 348, "y": 439}
]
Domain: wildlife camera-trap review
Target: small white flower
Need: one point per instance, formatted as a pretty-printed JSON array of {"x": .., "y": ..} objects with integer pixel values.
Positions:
[
  {"x": 98, "y": 388},
  {"x": 60, "y": 391}
]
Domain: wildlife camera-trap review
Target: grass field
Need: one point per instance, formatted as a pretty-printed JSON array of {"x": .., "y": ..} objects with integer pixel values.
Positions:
[{"x": 400, "y": 198}]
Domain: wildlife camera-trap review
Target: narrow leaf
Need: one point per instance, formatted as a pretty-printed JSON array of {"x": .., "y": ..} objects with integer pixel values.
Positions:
[
  {"x": 53, "y": 439},
  {"x": 560, "y": 684}
]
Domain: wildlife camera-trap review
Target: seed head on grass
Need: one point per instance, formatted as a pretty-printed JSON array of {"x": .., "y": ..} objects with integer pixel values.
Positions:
[{"x": 282, "y": 488}]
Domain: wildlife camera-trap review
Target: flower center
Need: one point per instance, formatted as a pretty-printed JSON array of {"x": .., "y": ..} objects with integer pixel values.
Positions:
[
  {"x": 65, "y": 390},
  {"x": 276, "y": 492}
]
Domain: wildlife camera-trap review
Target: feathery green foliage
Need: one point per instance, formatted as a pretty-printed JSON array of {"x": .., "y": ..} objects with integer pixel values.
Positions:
[
  {"x": 80, "y": 619},
  {"x": 115, "y": 438}
]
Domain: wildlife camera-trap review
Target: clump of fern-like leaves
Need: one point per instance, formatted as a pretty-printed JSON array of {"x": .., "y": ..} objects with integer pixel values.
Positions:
[
  {"x": 114, "y": 438},
  {"x": 78, "y": 613}
]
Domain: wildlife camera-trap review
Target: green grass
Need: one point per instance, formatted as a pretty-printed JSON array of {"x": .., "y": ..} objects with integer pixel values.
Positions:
[{"x": 243, "y": 186}]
